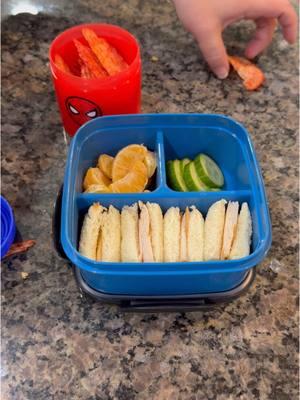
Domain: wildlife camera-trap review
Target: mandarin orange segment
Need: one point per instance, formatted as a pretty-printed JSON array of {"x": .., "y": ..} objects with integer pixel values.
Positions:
[
  {"x": 134, "y": 181},
  {"x": 105, "y": 163},
  {"x": 252, "y": 76},
  {"x": 108, "y": 56},
  {"x": 97, "y": 188},
  {"x": 150, "y": 162},
  {"x": 126, "y": 159},
  {"x": 95, "y": 176}
]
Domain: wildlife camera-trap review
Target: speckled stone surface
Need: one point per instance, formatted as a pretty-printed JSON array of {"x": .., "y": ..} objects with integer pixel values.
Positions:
[{"x": 57, "y": 345}]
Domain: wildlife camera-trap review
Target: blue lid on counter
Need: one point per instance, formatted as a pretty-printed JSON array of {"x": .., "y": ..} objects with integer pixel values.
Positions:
[{"x": 8, "y": 227}]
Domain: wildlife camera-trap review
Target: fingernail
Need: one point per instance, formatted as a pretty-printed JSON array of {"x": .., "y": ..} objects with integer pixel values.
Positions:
[{"x": 222, "y": 73}]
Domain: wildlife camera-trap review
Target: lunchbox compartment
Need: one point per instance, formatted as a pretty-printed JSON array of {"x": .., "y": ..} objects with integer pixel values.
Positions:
[
  {"x": 222, "y": 145},
  {"x": 110, "y": 142},
  {"x": 201, "y": 200}
]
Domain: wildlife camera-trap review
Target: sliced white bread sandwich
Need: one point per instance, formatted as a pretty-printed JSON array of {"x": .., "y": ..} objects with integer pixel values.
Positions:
[
  {"x": 195, "y": 235},
  {"x": 130, "y": 249},
  {"x": 230, "y": 225},
  {"x": 151, "y": 232},
  {"x": 242, "y": 240},
  {"x": 109, "y": 240},
  {"x": 183, "y": 235},
  {"x": 157, "y": 231},
  {"x": 172, "y": 235},
  {"x": 90, "y": 231},
  {"x": 213, "y": 231},
  {"x": 192, "y": 235},
  {"x": 145, "y": 234}
]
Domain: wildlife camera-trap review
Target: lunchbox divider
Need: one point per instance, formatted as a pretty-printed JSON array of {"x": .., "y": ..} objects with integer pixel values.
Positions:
[
  {"x": 202, "y": 201},
  {"x": 161, "y": 165},
  {"x": 180, "y": 199}
]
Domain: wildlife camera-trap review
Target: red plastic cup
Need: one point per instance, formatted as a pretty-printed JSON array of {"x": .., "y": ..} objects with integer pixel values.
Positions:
[{"x": 81, "y": 99}]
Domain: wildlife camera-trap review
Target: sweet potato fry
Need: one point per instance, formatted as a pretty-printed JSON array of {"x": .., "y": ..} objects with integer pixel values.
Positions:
[
  {"x": 85, "y": 72},
  {"x": 60, "y": 63},
  {"x": 252, "y": 76},
  {"x": 106, "y": 54},
  {"x": 90, "y": 60},
  {"x": 20, "y": 247}
]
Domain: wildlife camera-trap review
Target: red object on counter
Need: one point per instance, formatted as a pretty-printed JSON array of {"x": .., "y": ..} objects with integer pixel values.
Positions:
[{"x": 81, "y": 99}]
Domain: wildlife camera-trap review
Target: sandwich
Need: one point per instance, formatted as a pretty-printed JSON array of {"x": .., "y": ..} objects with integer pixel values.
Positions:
[
  {"x": 183, "y": 235},
  {"x": 145, "y": 234},
  {"x": 130, "y": 247},
  {"x": 195, "y": 235},
  {"x": 151, "y": 232},
  {"x": 230, "y": 225},
  {"x": 90, "y": 231},
  {"x": 242, "y": 240},
  {"x": 192, "y": 235},
  {"x": 148, "y": 236},
  {"x": 213, "y": 231},
  {"x": 172, "y": 235},
  {"x": 109, "y": 238}
]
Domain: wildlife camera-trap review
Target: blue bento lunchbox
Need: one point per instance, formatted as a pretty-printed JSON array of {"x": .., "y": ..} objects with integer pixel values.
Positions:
[{"x": 171, "y": 136}]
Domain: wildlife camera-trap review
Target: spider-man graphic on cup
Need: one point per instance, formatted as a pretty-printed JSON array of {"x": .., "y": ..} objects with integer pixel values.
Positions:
[{"x": 82, "y": 110}]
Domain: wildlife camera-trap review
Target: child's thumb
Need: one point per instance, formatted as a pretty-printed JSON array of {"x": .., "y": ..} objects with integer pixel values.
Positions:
[{"x": 212, "y": 47}]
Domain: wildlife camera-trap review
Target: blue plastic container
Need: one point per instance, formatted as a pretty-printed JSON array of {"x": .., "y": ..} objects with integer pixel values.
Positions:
[
  {"x": 8, "y": 226},
  {"x": 170, "y": 136}
]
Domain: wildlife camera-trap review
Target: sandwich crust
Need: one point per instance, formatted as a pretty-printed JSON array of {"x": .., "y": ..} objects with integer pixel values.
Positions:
[
  {"x": 195, "y": 235},
  {"x": 90, "y": 231},
  {"x": 111, "y": 236},
  {"x": 172, "y": 235},
  {"x": 145, "y": 234},
  {"x": 213, "y": 231},
  {"x": 242, "y": 241},
  {"x": 156, "y": 231},
  {"x": 230, "y": 225},
  {"x": 130, "y": 249}
]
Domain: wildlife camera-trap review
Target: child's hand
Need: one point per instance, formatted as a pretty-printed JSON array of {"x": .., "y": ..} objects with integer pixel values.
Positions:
[{"x": 206, "y": 19}]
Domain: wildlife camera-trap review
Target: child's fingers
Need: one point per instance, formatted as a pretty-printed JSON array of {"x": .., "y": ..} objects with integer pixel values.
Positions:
[
  {"x": 288, "y": 22},
  {"x": 279, "y": 9},
  {"x": 263, "y": 36},
  {"x": 212, "y": 47}
]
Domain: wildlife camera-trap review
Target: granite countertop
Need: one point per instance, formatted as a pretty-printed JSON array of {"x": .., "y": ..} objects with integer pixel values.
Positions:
[{"x": 58, "y": 345}]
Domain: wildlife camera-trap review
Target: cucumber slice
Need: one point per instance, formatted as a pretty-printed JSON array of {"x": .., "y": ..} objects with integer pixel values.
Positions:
[
  {"x": 184, "y": 162},
  {"x": 175, "y": 176},
  {"x": 192, "y": 180},
  {"x": 208, "y": 171}
]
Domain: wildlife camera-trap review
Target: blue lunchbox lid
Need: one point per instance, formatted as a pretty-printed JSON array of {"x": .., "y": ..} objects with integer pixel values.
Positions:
[{"x": 8, "y": 226}]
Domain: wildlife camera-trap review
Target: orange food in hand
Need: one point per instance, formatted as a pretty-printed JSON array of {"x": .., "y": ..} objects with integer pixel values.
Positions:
[
  {"x": 108, "y": 56},
  {"x": 126, "y": 159},
  {"x": 134, "y": 181},
  {"x": 60, "y": 63},
  {"x": 95, "y": 176},
  {"x": 105, "y": 163},
  {"x": 252, "y": 76},
  {"x": 89, "y": 59}
]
